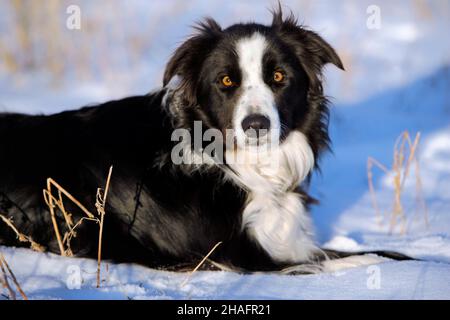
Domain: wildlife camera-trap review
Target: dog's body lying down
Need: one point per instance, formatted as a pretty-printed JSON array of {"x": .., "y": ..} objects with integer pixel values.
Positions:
[
  {"x": 161, "y": 213},
  {"x": 155, "y": 214}
]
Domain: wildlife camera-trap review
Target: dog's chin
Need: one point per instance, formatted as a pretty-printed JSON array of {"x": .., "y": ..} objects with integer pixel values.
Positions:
[
  {"x": 265, "y": 143},
  {"x": 256, "y": 143},
  {"x": 258, "y": 147}
]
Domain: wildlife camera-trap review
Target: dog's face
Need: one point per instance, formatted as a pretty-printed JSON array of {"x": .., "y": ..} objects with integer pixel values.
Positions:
[
  {"x": 251, "y": 80},
  {"x": 262, "y": 82}
]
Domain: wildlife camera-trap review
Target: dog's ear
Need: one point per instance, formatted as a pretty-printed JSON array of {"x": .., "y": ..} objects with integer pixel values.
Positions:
[
  {"x": 187, "y": 60},
  {"x": 311, "y": 49}
]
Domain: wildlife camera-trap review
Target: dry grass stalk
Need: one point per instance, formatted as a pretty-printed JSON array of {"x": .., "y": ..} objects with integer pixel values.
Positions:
[
  {"x": 58, "y": 202},
  {"x": 401, "y": 170},
  {"x": 51, "y": 202},
  {"x": 100, "y": 205},
  {"x": 3, "y": 265},
  {"x": 20, "y": 236},
  {"x": 5, "y": 283},
  {"x": 200, "y": 264},
  {"x": 370, "y": 163},
  {"x": 69, "y": 235}
]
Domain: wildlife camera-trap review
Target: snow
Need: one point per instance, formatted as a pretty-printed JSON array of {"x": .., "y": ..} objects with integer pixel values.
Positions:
[
  {"x": 48, "y": 276},
  {"x": 398, "y": 78}
]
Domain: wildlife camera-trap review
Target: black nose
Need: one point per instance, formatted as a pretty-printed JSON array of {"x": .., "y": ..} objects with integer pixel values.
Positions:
[{"x": 259, "y": 123}]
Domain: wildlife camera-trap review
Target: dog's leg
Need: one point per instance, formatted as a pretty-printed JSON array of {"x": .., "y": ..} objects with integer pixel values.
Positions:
[
  {"x": 338, "y": 260},
  {"x": 335, "y": 254}
]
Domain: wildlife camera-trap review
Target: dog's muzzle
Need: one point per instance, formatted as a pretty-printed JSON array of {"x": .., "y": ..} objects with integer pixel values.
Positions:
[{"x": 256, "y": 126}]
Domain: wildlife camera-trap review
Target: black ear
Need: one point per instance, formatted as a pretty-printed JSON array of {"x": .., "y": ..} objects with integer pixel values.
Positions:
[
  {"x": 187, "y": 60},
  {"x": 309, "y": 46}
]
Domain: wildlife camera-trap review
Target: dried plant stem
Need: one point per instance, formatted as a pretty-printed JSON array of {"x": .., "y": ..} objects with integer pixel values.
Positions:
[
  {"x": 52, "y": 202},
  {"x": 60, "y": 203},
  {"x": 5, "y": 282},
  {"x": 370, "y": 163},
  {"x": 200, "y": 264},
  {"x": 4, "y": 264},
  {"x": 100, "y": 205},
  {"x": 55, "y": 224},
  {"x": 72, "y": 234},
  {"x": 22, "y": 238},
  {"x": 412, "y": 154},
  {"x": 401, "y": 170}
]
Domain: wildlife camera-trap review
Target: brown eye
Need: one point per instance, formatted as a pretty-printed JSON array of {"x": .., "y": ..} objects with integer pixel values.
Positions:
[
  {"x": 226, "y": 81},
  {"x": 278, "y": 76}
]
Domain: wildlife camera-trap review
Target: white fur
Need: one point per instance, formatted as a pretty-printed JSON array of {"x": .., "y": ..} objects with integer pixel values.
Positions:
[
  {"x": 274, "y": 214},
  {"x": 335, "y": 265},
  {"x": 174, "y": 99},
  {"x": 351, "y": 262},
  {"x": 256, "y": 95}
]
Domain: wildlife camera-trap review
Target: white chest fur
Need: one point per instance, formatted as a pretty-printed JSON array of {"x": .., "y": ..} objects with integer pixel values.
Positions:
[{"x": 274, "y": 215}]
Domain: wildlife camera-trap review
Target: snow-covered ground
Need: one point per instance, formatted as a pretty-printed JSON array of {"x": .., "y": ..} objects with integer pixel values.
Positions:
[
  {"x": 398, "y": 79},
  {"x": 47, "y": 276}
]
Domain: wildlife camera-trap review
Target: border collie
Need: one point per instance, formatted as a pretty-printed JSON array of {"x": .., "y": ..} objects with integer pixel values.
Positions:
[{"x": 261, "y": 83}]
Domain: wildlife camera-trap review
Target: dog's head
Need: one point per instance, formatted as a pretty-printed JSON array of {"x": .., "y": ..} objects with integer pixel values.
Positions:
[{"x": 251, "y": 76}]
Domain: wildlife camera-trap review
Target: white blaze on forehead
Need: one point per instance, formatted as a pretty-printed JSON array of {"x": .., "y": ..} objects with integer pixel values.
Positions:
[
  {"x": 256, "y": 95},
  {"x": 251, "y": 52}
]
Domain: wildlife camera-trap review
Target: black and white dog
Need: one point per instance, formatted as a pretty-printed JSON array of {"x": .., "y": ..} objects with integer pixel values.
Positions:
[{"x": 261, "y": 82}]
